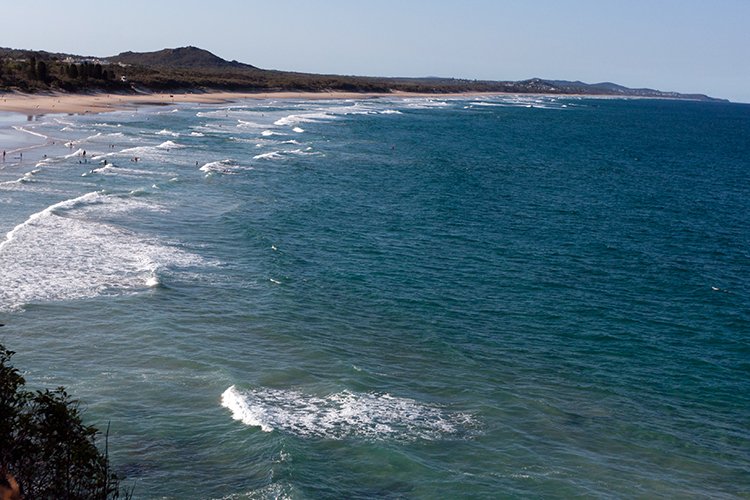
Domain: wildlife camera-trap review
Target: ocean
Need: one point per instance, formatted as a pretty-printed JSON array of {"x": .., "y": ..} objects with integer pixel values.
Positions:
[{"x": 476, "y": 297}]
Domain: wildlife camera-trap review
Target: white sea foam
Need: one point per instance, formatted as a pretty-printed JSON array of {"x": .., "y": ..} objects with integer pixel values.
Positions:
[
  {"x": 153, "y": 152},
  {"x": 215, "y": 129},
  {"x": 77, "y": 152},
  {"x": 304, "y": 118},
  {"x": 27, "y": 177},
  {"x": 47, "y": 211},
  {"x": 219, "y": 113},
  {"x": 352, "y": 109},
  {"x": 169, "y": 145},
  {"x": 91, "y": 137},
  {"x": 152, "y": 282},
  {"x": 343, "y": 415},
  {"x": 130, "y": 172},
  {"x": 299, "y": 130},
  {"x": 31, "y": 132},
  {"x": 46, "y": 161},
  {"x": 223, "y": 167},
  {"x": 308, "y": 151},
  {"x": 167, "y": 132},
  {"x": 359, "y": 108},
  {"x": 277, "y": 155},
  {"x": 273, "y": 155},
  {"x": 139, "y": 150},
  {"x": 196, "y": 134},
  {"x": 64, "y": 253},
  {"x": 424, "y": 103},
  {"x": 521, "y": 102},
  {"x": 64, "y": 122},
  {"x": 251, "y": 125},
  {"x": 268, "y": 133},
  {"x": 96, "y": 157},
  {"x": 488, "y": 104}
]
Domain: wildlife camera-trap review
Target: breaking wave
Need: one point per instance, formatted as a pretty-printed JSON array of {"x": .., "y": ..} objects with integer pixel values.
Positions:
[
  {"x": 304, "y": 118},
  {"x": 344, "y": 415},
  {"x": 167, "y": 132},
  {"x": 63, "y": 253},
  {"x": 223, "y": 167}
]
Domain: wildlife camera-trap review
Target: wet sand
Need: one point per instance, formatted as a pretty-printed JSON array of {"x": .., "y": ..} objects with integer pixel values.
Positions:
[{"x": 58, "y": 102}]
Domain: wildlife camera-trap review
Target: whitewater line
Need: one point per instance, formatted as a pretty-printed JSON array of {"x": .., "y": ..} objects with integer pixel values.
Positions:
[{"x": 47, "y": 211}]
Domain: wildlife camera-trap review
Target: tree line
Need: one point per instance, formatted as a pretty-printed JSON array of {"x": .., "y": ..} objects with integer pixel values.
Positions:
[{"x": 34, "y": 74}]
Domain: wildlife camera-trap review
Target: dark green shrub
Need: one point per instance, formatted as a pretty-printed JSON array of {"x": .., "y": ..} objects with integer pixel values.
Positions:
[{"x": 44, "y": 444}]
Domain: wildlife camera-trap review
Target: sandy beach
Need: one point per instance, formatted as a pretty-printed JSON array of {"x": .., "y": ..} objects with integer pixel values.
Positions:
[
  {"x": 13, "y": 105},
  {"x": 38, "y": 104}
]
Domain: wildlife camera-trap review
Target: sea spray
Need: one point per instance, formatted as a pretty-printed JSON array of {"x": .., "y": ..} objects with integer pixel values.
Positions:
[{"x": 343, "y": 415}]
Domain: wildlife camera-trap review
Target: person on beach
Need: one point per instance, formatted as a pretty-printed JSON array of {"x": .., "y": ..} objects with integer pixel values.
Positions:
[{"x": 3, "y": 155}]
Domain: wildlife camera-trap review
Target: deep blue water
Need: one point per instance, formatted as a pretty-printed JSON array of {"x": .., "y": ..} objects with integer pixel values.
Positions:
[{"x": 472, "y": 298}]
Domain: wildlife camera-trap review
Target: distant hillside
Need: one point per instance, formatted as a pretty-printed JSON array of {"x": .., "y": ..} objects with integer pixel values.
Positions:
[
  {"x": 197, "y": 70},
  {"x": 182, "y": 57},
  {"x": 609, "y": 88}
]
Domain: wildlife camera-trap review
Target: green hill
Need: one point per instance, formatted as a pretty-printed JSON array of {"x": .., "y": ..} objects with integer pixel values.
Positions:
[
  {"x": 182, "y": 57},
  {"x": 191, "y": 69}
]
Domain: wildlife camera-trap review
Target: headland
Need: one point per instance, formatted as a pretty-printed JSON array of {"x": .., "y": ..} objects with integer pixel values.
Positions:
[{"x": 40, "y": 82}]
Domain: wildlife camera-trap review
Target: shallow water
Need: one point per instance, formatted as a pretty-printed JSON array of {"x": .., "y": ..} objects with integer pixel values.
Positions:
[{"x": 394, "y": 297}]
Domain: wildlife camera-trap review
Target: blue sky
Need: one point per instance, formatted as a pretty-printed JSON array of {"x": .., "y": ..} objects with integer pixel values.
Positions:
[{"x": 686, "y": 45}]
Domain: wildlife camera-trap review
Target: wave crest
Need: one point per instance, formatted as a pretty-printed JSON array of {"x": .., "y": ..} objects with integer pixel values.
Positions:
[
  {"x": 343, "y": 415},
  {"x": 60, "y": 253}
]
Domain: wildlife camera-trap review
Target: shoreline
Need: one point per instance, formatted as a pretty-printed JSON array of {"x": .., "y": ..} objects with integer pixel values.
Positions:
[
  {"x": 31, "y": 105},
  {"x": 66, "y": 103},
  {"x": 18, "y": 109},
  {"x": 94, "y": 103}
]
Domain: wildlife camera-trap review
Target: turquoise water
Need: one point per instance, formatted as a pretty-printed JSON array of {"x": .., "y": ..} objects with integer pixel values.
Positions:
[{"x": 400, "y": 298}]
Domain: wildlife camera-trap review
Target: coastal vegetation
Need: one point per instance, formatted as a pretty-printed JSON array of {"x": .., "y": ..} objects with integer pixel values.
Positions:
[
  {"x": 191, "y": 69},
  {"x": 46, "y": 451}
]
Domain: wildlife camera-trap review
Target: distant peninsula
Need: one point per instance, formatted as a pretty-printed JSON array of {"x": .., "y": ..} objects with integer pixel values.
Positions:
[{"x": 195, "y": 70}]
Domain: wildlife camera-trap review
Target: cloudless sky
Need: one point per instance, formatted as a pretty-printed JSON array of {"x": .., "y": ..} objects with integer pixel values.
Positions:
[{"x": 698, "y": 46}]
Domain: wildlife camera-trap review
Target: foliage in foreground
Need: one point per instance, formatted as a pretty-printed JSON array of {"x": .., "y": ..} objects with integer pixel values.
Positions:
[{"x": 44, "y": 444}]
